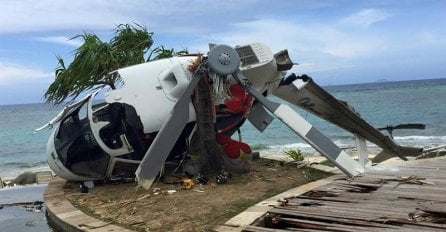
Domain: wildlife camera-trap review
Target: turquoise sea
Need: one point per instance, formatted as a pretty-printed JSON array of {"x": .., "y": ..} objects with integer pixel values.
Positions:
[{"x": 381, "y": 104}]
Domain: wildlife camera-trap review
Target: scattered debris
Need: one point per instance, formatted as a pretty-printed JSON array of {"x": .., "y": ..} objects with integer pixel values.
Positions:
[
  {"x": 223, "y": 177},
  {"x": 168, "y": 192},
  {"x": 409, "y": 180},
  {"x": 202, "y": 179},
  {"x": 187, "y": 183}
]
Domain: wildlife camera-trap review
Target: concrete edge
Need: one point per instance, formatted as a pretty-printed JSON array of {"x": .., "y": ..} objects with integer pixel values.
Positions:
[
  {"x": 247, "y": 217},
  {"x": 63, "y": 216}
]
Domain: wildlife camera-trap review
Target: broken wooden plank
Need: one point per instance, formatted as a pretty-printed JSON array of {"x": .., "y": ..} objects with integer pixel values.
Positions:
[{"x": 331, "y": 219}]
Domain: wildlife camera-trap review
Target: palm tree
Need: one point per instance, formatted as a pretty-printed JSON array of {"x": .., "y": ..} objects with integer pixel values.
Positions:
[{"x": 94, "y": 60}]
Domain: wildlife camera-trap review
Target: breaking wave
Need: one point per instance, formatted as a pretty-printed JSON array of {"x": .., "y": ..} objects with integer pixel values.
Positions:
[
  {"x": 417, "y": 137},
  {"x": 414, "y": 140}
]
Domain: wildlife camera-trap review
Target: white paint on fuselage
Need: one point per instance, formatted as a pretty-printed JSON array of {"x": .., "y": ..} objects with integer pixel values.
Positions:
[{"x": 148, "y": 88}]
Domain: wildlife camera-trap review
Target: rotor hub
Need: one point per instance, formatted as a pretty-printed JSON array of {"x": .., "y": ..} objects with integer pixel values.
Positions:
[{"x": 223, "y": 60}]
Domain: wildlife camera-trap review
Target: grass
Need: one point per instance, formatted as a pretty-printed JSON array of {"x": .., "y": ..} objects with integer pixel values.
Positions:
[
  {"x": 296, "y": 155},
  {"x": 204, "y": 212}
]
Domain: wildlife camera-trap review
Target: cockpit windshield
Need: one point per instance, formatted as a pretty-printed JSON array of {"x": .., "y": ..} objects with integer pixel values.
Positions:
[{"x": 76, "y": 146}]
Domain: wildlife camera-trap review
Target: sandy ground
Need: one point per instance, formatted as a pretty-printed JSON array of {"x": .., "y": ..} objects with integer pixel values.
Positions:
[
  {"x": 17, "y": 213},
  {"x": 199, "y": 209}
]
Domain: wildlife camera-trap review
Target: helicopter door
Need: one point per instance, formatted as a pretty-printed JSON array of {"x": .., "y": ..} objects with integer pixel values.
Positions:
[{"x": 96, "y": 127}]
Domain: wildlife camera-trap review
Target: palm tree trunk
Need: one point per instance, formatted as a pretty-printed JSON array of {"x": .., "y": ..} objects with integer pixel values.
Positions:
[{"x": 209, "y": 151}]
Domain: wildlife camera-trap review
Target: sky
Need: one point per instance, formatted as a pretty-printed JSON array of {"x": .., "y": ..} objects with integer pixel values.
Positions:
[{"x": 334, "y": 41}]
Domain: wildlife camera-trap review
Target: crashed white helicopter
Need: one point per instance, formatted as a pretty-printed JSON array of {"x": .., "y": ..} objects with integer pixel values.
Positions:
[{"x": 149, "y": 119}]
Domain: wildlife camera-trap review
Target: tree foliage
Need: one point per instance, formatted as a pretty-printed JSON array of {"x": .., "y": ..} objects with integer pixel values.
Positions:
[
  {"x": 161, "y": 53},
  {"x": 94, "y": 61}
]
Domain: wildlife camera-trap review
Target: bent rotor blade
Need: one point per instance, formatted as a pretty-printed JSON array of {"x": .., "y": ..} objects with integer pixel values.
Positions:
[
  {"x": 166, "y": 138},
  {"x": 307, "y": 132},
  {"x": 308, "y": 95}
]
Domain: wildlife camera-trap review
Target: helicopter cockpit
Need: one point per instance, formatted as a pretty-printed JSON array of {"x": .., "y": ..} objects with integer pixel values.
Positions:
[{"x": 94, "y": 139}]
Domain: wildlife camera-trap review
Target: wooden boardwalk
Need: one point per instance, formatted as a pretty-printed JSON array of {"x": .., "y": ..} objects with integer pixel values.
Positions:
[{"x": 410, "y": 196}]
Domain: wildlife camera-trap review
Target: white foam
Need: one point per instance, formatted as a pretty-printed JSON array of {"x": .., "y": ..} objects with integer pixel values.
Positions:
[
  {"x": 420, "y": 137},
  {"x": 291, "y": 145}
]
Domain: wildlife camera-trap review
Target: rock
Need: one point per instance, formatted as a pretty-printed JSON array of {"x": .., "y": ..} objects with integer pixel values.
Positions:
[{"x": 24, "y": 178}]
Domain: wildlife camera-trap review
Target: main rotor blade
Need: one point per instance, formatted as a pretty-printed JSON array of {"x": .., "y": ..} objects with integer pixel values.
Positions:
[
  {"x": 166, "y": 138},
  {"x": 307, "y": 132},
  {"x": 308, "y": 95}
]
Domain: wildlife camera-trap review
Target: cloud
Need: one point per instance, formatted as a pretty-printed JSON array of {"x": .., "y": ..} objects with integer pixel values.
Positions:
[
  {"x": 11, "y": 74},
  {"x": 309, "y": 39},
  {"x": 365, "y": 18},
  {"x": 31, "y": 16},
  {"x": 181, "y": 16},
  {"x": 51, "y": 15},
  {"x": 60, "y": 40}
]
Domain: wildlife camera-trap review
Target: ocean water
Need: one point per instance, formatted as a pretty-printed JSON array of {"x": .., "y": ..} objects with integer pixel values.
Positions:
[{"x": 381, "y": 104}]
